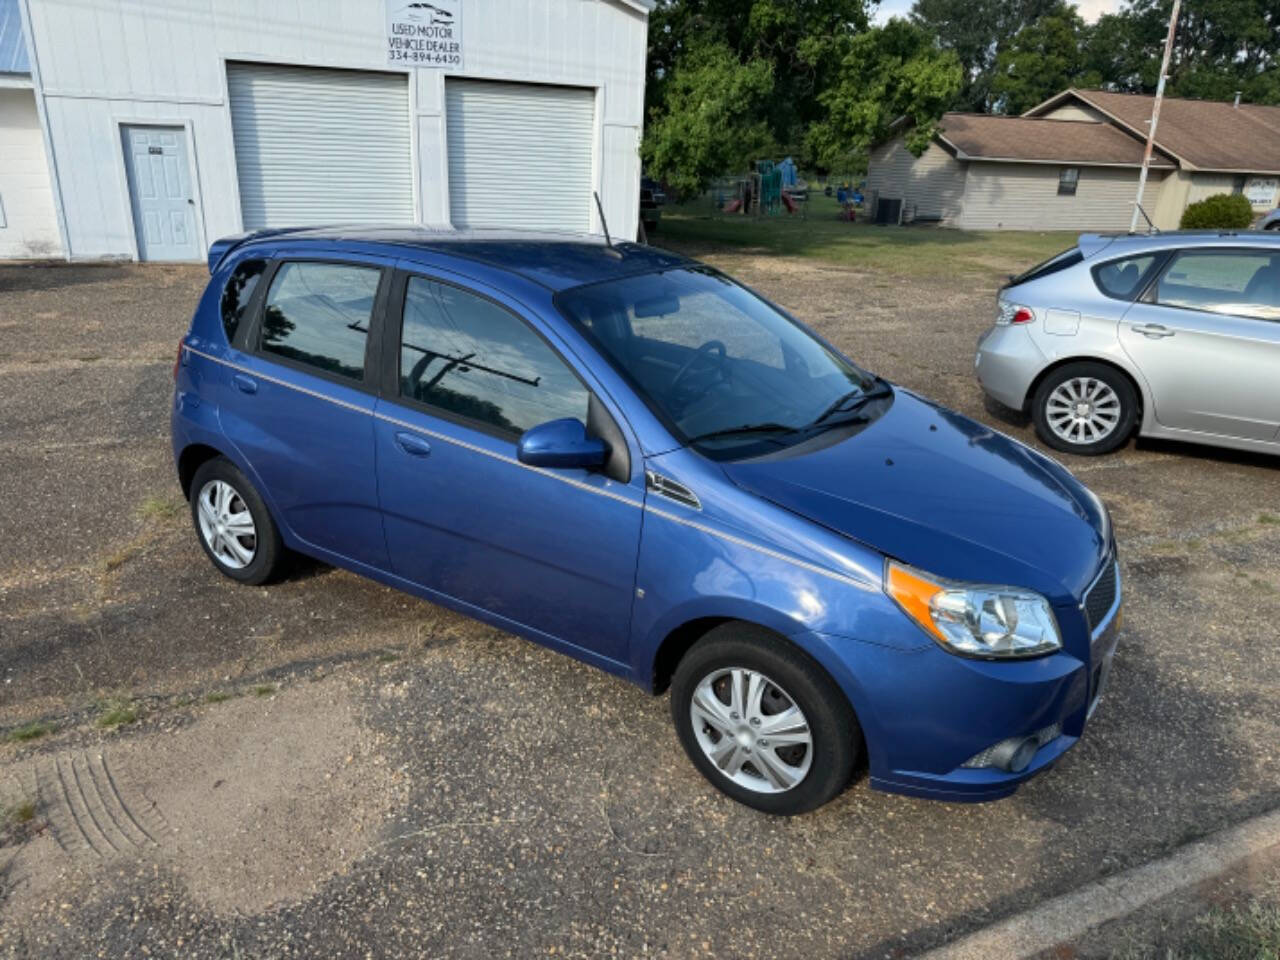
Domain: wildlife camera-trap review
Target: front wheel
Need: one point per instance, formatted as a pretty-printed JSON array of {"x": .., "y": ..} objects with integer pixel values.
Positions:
[
  {"x": 763, "y": 722},
  {"x": 1085, "y": 408}
]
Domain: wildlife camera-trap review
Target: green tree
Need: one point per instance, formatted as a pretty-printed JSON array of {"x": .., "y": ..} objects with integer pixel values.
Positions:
[
  {"x": 797, "y": 39},
  {"x": 890, "y": 76},
  {"x": 1221, "y": 46},
  {"x": 712, "y": 119},
  {"x": 1042, "y": 59},
  {"x": 978, "y": 31}
]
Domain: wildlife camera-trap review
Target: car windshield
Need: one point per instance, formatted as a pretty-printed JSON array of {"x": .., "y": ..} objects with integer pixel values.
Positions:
[{"x": 724, "y": 369}]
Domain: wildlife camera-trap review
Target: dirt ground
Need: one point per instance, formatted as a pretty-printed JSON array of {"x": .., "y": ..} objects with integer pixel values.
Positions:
[{"x": 328, "y": 767}]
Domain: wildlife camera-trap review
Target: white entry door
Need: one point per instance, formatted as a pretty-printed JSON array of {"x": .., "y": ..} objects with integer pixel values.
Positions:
[{"x": 164, "y": 211}]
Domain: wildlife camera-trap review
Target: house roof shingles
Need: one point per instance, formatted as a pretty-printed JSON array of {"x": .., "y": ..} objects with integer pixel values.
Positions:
[
  {"x": 1207, "y": 134},
  {"x": 1034, "y": 139}
]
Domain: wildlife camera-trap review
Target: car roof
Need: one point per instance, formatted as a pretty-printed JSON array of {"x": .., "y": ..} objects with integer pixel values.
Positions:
[
  {"x": 555, "y": 260},
  {"x": 1115, "y": 243}
]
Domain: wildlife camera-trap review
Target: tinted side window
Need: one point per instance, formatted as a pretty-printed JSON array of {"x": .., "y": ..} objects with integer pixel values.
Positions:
[
  {"x": 1123, "y": 279},
  {"x": 318, "y": 314},
  {"x": 237, "y": 294},
  {"x": 1239, "y": 282},
  {"x": 470, "y": 357}
]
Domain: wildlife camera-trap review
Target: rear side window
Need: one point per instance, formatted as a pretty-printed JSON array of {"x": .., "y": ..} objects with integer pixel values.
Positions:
[
  {"x": 318, "y": 314},
  {"x": 1123, "y": 279},
  {"x": 237, "y": 294},
  {"x": 1238, "y": 282},
  {"x": 469, "y": 357}
]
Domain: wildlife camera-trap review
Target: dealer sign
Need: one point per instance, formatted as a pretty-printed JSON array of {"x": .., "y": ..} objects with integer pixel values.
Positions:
[{"x": 422, "y": 34}]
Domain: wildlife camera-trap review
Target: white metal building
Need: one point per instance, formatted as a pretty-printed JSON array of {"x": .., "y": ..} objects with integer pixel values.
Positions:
[
  {"x": 170, "y": 123},
  {"x": 28, "y": 224}
]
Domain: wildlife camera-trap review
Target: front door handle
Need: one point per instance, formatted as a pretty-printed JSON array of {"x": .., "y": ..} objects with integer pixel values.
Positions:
[
  {"x": 244, "y": 384},
  {"x": 1153, "y": 331},
  {"x": 413, "y": 445}
]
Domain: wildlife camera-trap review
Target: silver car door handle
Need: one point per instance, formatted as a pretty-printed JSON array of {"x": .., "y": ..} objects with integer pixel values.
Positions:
[{"x": 1153, "y": 331}]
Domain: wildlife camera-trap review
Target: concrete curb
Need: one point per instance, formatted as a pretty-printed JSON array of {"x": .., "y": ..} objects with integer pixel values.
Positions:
[{"x": 1072, "y": 915}]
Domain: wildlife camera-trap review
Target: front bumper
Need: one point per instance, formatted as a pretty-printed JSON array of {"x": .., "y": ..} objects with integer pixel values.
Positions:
[
  {"x": 1007, "y": 361},
  {"x": 925, "y": 712}
]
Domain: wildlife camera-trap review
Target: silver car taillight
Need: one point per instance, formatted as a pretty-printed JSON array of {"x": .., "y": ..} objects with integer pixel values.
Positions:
[{"x": 1011, "y": 312}]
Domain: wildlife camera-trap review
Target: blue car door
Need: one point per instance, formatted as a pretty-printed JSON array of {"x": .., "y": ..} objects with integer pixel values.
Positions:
[
  {"x": 298, "y": 403},
  {"x": 550, "y": 551}
]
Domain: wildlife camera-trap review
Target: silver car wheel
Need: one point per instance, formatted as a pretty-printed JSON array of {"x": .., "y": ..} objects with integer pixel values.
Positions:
[
  {"x": 1083, "y": 410},
  {"x": 226, "y": 524},
  {"x": 751, "y": 730}
]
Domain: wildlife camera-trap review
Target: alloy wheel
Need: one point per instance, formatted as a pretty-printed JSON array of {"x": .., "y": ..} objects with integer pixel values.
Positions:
[
  {"x": 226, "y": 524},
  {"x": 1083, "y": 410},
  {"x": 751, "y": 730}
]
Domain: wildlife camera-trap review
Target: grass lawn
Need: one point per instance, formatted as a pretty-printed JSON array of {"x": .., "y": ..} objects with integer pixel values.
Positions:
[{"x": 697, "y": 228}]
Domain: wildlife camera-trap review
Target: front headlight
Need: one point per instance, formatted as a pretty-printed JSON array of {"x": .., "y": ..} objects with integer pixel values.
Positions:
[{"x": 975, "y": 620}]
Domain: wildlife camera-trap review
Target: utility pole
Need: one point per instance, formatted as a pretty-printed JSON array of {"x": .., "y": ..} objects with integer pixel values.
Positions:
[{"x": 1155, "y": 115}]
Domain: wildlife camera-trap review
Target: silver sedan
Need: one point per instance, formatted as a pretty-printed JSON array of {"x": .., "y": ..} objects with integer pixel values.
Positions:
[{"x": 1173, "y": 335}]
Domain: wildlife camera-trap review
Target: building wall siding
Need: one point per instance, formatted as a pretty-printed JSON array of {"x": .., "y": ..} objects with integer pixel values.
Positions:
[
  {"x": 930, "y": 185},
  {"x": 102, "y": 63},
  {"x": 1024, "y": 196},
  {"x": 28, "y": 223},
  {"x": 1075, "y": 111}
]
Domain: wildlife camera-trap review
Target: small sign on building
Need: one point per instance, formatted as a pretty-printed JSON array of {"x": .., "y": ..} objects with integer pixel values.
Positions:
[
  {"x": 424, "y": 34},
  {"x": 1262, "y": 192}
]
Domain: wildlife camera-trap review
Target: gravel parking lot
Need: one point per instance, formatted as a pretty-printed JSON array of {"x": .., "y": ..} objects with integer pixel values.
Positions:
[{"x": 328, "y": 767}]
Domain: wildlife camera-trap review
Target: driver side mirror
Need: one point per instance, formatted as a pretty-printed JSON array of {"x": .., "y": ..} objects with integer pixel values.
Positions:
[{"x": 561, "y": 443}]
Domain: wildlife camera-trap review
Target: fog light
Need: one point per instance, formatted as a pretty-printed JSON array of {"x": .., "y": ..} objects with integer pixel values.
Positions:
[{"x": 1016, "y": 753}]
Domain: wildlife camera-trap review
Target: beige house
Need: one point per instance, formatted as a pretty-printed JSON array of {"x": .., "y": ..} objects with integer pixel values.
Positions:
[{"x": 1072, "y": 163}]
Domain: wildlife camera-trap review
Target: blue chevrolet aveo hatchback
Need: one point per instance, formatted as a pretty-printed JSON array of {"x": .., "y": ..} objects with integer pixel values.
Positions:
[{"x": 629, "y": 457}]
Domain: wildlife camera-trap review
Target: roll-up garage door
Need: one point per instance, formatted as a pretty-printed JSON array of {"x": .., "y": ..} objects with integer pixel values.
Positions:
[
  {"x": 320, "y": 146},
  {"x": 519, "y": 155}
]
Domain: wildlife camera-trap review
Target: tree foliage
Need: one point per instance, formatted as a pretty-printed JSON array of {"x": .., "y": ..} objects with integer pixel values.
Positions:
[
  {"x": 730, "y": 81},
  {"x": 887, "y": 77},
  {"x": 978, "y": 31},
  {"x": 1043, "y": 58}
]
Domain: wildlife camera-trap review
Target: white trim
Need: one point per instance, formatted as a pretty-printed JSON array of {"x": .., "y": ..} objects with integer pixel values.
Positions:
[
  {"x": 55, "y": 180},
  {"x": 16, "y": 81}
]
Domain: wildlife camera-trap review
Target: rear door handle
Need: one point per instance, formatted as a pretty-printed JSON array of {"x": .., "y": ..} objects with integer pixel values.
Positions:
[
  {"x": 412, "y": 445},
  {"x": 244, "y": 384},
  {"x": 1153, "y": 330}
]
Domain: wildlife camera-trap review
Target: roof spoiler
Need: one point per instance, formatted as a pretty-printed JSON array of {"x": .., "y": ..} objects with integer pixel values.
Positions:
[
  {"x": 219, "y": 249},
  {"x": 1091, "y": 244}
]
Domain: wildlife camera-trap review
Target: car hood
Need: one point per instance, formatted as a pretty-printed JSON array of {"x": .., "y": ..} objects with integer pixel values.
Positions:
[{"x": 946, "y": 494}]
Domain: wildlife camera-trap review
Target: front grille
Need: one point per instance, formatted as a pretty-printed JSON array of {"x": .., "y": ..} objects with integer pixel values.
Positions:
[{"x": 1101, "y": 596}]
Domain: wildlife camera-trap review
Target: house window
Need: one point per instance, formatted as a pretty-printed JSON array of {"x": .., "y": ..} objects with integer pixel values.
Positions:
[
  {"x": 1237, "y": 184},
  {"x": 1068, "y": 177}
]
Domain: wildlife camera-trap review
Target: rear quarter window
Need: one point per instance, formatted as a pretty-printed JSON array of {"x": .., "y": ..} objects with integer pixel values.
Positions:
[
  {"x": 1125, "y": 279},
  {"x": 238, "y": 293}
]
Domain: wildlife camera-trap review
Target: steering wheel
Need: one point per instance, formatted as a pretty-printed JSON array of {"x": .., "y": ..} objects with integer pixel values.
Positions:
[{"x": 702, "y": 352}]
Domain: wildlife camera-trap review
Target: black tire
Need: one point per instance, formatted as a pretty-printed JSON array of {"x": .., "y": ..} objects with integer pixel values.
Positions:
[
  {"x": 1119, "y": 384},
  {"x": 833, "y": 727},
  {"x": 268, "y": 549}
]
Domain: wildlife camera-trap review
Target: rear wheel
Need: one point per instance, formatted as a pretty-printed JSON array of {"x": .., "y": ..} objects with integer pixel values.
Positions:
[
  {"x": 763, "y": 722},
  {"x": 1085, "y": 408},
  {"x": 233, "y": 523}
]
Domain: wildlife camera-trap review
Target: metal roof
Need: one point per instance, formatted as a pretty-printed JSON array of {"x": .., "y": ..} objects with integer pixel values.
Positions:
[{"x": 13, "y": 47}]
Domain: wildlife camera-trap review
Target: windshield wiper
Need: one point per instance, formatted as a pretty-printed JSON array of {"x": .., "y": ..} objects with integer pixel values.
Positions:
[
  {"x": 846, "y": 404},
  {"x": 746, "y": 428}
]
